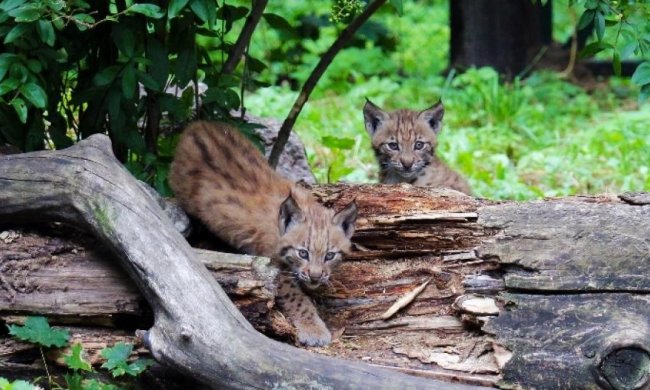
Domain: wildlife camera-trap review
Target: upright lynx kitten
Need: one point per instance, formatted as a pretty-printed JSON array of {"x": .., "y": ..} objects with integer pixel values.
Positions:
[
  {"x": 221, "y": 178},
  {"x": 405, "y": 143}
]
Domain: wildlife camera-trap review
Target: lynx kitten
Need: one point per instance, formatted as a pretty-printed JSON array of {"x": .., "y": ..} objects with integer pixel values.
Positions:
[
  {"x": 405, "y": 146},
  {"x": 221, "y": 178}
]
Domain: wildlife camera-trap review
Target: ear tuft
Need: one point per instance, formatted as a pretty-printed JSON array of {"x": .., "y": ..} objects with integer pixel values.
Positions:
[
  {"x": 290, "y": 214},
  {"x": 346, "y": 219},
  {"x": 433, "y": 116},
  {"x": 373, "y": 116}
]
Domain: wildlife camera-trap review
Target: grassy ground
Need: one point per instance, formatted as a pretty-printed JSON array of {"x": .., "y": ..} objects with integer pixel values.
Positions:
[{"x": 541, "y": 137}]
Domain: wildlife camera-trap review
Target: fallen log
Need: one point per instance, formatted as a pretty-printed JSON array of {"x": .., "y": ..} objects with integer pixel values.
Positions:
[
  {"x": 514, "y": 288},
  {"x": 196, "y": 329}
]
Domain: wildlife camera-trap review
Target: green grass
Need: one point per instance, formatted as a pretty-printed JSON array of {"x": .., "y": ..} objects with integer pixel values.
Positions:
[{"x": 539, "y": 137}]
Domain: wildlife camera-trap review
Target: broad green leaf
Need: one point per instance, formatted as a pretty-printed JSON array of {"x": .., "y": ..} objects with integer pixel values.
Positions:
[
  {"x": 175, "y": 6},
  {"x": 645, "y": 93},
  {"x": 35, "y": 94},
  {"x": 338, "y": 143},
  {"x": 158, "y": 54},
  {"x": 21, "y": 109},
  {"x": 46, "y": 32},
  {"x": 124, "y": 40},
  {"x": 641, "y": 74},
  {"x": 586, "y": 18},
  {"x": 8, "y": 85},
  {"x": 128, "y": 82},
  {"x": 224, "y": 98},
  {"x": 149, "y": 10},
  {"x": 398, "y": 5},
  {"x": 75, "y": 360},
  {"x": 278, "y": 22},
  {"x": 35, "y": 66},
  {"x": 6, "y": 59},
  {"x": 7, "y": 5},
  {"x": 186, "y": 66},
  {"x": 148, "y": 81},
  {"x": 36, "y": 329},
  {"x": 106, "y": 75},
  {"x": 83, "y": 21},
  {"x": 616, "y": 63},
  {"x": 139, "y": 366},
  {"x": 201, "y": 9},
  {"x": 94, "y": 384},
  {"x": 25, "y": 14},
  {"x": 594, "y": 48},
  {"x": 599, "y": 25},
  {"x": 18, "y": 31},
  {"x": 20, "y": 385}
]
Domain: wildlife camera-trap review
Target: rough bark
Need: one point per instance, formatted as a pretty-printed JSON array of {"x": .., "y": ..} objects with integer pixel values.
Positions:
[{"x": 196, "y": 329}]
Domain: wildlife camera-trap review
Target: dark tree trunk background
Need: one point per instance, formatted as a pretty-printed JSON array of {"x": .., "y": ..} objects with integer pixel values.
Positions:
[{"x": 504, "y": 34}]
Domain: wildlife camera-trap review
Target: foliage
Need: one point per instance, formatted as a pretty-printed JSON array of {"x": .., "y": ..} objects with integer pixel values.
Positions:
[
  {"x": 541, "y": 136},
  {"x": 630, "y": 34},
  {"x": 38, "y": 331}
]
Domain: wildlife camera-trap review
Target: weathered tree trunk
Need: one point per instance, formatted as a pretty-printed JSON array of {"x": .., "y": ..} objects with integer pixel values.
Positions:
[
  {"x": 196, "y": 329},
  {"x": 504, "y": 34}
]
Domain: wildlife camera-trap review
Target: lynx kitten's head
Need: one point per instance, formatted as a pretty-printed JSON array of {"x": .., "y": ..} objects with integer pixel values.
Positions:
[
  {"x": 313, "y": 239},
  {"x": 404, "y": 141}
]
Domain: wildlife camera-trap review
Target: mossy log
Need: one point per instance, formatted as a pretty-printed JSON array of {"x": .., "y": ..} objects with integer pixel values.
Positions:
[{"x": 516, "y": 290}]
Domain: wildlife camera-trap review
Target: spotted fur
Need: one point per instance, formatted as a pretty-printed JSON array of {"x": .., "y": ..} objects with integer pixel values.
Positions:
[
  {"x": 221, "y": 178},
  {"x": 405, "y": 143}
]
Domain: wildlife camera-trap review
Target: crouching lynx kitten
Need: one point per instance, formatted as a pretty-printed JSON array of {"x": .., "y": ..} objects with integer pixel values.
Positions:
[
  {"x": 405, "y": 143},
  {"x": 221, "y": 178}
]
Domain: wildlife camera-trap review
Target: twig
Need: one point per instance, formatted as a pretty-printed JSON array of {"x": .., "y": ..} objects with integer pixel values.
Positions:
[
  {"x": 312, "y": 80},
  {"x": 244, "y": 38},
  {"x": 405, "y": 300}
]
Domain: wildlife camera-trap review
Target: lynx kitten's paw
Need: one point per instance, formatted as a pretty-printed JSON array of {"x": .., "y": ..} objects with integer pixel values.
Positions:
[{"x": 312, "y": 335}]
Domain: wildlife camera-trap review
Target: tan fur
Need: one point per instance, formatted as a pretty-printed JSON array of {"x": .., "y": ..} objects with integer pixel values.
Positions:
[
  {"x": 405, "y": 142},
  {"x": 221, "y": 178}
]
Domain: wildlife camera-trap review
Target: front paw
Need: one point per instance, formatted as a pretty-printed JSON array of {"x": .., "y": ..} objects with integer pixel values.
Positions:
[{"x": 313, "y": 336}]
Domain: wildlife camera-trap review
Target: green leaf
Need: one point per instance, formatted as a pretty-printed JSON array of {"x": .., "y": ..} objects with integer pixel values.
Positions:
[
  {"x": 175, "y": 7},
  {"x": 186, "y": 66},
  {"x": 128, "y": 82},
  {"x": 600, "y": 25},
  {"x": 616, "y": 63},
  {"x": 35, "y": 94},
  {"x": 46, "y": 32},
  {"x": 641, "y": 74},
  {"x": 7, "y": 5},
  {"x": 593, "y": 48},
  {"x": 17, "y": 32},
  {"x": 398, "y": 5},
  {"x": 278, "y": 22},
  {"x": 224, "y": 98},
  {"x": 8, "y": 86},
  {"x": 17, "y": 385},
  {"x": 201, "y": 9},
  {"x": 106, "y": 75},
  {"x": 73, "y": 381},
  {"x": 139, "y": 366},
  {"x": 148, "y": 81},
  {"x": 149, "y": 10},
  {"x": 116, "y": 358},
  {"x": 25, "y": 14},
  {"x": 83, "y": 21},
  {"x": 338, "y": 143},
  {"x": 158, "y": 54},
  {"x": 645, "y": 93},
  {"x": 36, "y": 329},
  {"x": 6, "y": 59},
  {"x": 75, "y": 360},
  {"x": 21, "y": 109},
  {"x": 586, "y": 18},
  {"x": 124, "y": 40}
]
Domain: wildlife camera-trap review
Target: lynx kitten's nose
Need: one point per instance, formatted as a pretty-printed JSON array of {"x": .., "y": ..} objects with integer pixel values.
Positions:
[
  {"x": 315, "y": 274},
  {"x": 407, "y": 164}
]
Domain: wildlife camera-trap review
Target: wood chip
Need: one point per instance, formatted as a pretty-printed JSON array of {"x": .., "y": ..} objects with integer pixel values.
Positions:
[{"x": 405, "y": 300}]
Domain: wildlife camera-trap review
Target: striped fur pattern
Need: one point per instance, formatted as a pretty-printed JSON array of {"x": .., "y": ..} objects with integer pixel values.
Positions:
[
  {"x": 405, "y": 143},
  {"x": 221, "y": 178}
]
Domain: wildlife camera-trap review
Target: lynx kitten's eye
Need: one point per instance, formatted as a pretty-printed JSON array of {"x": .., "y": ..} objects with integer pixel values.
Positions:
[
  {"x": 418, "y": 145},
  {"x": 393, "y": 145},
  {"x": 303, "y": 253},
  {"x": 329, "y": 256}
]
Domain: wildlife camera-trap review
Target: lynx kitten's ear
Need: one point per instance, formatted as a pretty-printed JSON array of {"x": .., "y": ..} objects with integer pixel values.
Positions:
[
  {"x": 373, "y": 116},
  {"x": 346, "y": 218},
  {"x": 290, "y": 215},
  {"x": 433, "y": 116}
]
